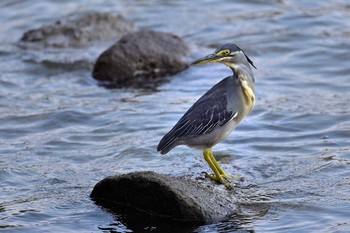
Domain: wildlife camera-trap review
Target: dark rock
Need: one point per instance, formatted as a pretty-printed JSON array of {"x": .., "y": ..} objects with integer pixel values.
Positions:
[
  {"x": 140, "y": 57},
  {"x": 79, "y": 32},
  {"x": 164, "y": 198}
]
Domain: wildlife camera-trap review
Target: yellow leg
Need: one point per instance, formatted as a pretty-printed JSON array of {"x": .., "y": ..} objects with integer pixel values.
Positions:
[
  {"x": 219, "y": 174},
  {"x": 221, "y": 171}
]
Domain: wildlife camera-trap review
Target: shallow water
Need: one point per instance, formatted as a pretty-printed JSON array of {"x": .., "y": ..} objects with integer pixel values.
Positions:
[{"x": 60, "y": 132}]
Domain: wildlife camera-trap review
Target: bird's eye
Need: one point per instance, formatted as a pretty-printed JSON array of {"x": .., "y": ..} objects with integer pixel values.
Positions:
[{"x": 226, "y": 52}]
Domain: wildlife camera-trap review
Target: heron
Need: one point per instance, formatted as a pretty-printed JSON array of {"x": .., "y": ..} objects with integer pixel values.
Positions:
[{"x": 216, "y": 114}]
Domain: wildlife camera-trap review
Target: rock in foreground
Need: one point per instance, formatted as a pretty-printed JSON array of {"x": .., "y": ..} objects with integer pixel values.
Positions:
[
  {"x": 163, "y": 197},
  {"x": 140, "y": 57}
]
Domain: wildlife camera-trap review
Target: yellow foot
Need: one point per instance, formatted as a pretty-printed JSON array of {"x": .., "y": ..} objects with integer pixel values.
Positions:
[
  {"x": 225, "y": 175},
  {"x": 219, "y": 174},
  {"x": 220, "y": 179}
]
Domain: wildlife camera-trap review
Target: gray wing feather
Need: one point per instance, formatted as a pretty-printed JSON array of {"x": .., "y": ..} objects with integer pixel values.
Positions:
[{"x": 208, "y": 112}]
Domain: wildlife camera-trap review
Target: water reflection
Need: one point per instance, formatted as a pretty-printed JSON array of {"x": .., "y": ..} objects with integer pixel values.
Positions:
[{"x": 127, "y": 220}]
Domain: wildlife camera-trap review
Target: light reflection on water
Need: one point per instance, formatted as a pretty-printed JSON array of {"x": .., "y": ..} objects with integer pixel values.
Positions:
[{"x": 61, "y": 133}]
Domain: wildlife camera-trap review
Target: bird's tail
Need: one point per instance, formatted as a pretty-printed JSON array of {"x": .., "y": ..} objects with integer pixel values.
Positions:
[{"x": 167, "y": 143}]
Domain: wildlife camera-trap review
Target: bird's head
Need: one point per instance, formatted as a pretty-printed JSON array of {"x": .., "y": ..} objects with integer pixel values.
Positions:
[{"x": 228, "y": 54}]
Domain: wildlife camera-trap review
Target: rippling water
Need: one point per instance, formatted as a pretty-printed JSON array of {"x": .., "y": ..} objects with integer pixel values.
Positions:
[{"x": 60, "y": 132}]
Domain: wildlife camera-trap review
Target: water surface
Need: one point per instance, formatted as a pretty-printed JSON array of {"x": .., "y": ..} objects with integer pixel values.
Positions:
[{"x": 60, "y": 132}]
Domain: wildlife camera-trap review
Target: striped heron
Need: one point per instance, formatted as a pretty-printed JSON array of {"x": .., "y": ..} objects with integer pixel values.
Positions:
[{"x": 215, "y": 115}]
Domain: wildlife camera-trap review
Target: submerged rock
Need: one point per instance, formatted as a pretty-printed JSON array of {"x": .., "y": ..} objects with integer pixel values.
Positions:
[
  {"x": 141, "y": 57},
  {"x": 79, "y": 32},
  {"x": 163, "y": 198}
]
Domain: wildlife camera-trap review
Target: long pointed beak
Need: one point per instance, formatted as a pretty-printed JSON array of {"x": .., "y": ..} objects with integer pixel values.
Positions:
[{"x": 208, "y": 59}]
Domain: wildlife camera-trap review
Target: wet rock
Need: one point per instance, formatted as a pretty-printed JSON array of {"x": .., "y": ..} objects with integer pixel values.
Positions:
[
  {"x": 163, "y": 198},
  {"x": 140, "y": 58},
  {"x": 79, "y": 32}
]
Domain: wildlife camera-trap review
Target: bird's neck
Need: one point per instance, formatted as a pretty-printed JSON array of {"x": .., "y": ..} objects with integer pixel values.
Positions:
[
  {"x": 246, "y": 80},
  {"x": 243, "y": 71}
]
